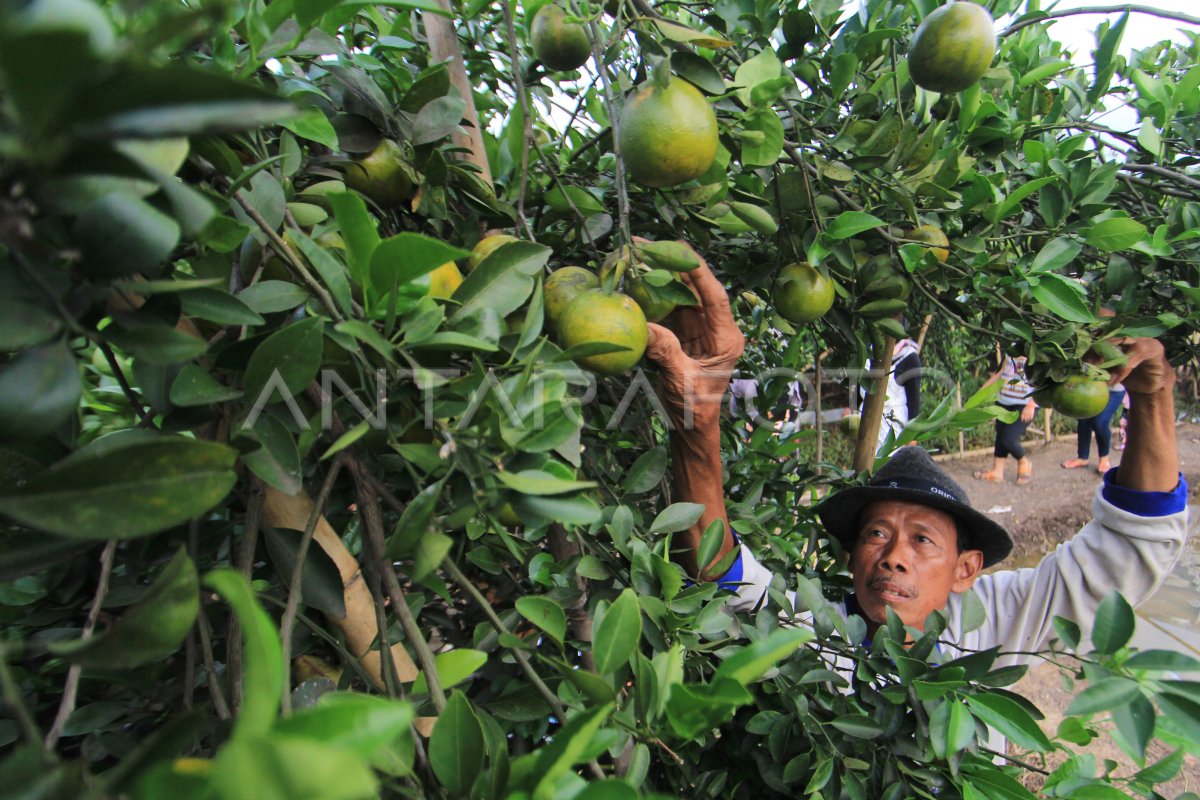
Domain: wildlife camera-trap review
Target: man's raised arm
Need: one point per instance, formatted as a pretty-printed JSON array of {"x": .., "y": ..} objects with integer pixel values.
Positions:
[
  {"x": 697, "y": 351},
  {"x": 1150, "y": 463}
]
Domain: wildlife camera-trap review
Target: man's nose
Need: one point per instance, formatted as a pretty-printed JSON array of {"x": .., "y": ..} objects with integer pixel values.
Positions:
[{"x": 895, "y": 556}]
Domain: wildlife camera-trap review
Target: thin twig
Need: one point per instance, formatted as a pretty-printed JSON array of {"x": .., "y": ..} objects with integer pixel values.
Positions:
[
  {"x": 610, "y": 104},
  {"x": 67, "y": 705},
  {"x": 16, "y": 706},
  {"x": 368, "y": 506},
  {"x": 1126, "y": 7},
  {"x": 245, "y": 565},
  {"x": 296, "y": 583},
  {"x": 136, "y": 402},
  {"x": 1015, "y": 760},
  {"x": 210, "y": 667},
  {"x": 560, "y": 713},
  {"x": 290, "y": 255},
  {"x": 523, "y": 99}
]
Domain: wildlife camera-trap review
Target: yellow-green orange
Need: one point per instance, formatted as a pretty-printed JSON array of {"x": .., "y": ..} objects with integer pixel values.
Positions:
[
  {"x": 952, "y": 48},
  {"x": 655, "y": 308},
  {"x": 850, "y": 424},
  {"x": 934, "y": 239},
  {"x": 559, "y": 44},
  {"x": 801, "y": 293},
  {"x": 881, "y": 278},
  {"x": 667, "y": 136},
  {"x": 562, "y": 286},
  {"x": 485, "y": 247},
  {"x": 381, "y": 175},
  {"x": 444, "y": 280},
  {"x": 594, "y": 316},
  {"x": 1079, "y": 397}
]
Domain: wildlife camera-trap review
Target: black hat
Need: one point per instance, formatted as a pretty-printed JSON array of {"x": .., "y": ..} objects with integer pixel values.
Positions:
[{"x": 912, "y": 475}]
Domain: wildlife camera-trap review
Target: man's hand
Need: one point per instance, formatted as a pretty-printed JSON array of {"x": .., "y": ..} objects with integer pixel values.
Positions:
[
  {"x": 1150, "y": 462},
  {"x": 1027, "y": 411},
  {"x": 697, "y": 350},
  {"x": 1147, "y": 371}
]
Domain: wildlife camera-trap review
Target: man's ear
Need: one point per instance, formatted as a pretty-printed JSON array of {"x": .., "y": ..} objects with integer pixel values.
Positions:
[{"x": 970, "y": 564}]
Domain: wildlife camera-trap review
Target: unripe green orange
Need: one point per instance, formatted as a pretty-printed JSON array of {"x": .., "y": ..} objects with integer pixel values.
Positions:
[
  {"x": 594, "y": 316},
  {"x": 801, "y": 293},
  {"x": 667, "y": 136},
  {"x": 952, "y": 48},
  {"x": 559, "y": 44}
]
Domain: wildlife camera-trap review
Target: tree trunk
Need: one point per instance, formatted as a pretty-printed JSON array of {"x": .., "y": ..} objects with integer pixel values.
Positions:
[
  {"x": 443, "y": 46},
  {"x": 872, "y": 413}
]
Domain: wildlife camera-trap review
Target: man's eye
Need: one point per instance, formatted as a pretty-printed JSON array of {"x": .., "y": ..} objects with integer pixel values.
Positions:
[{"x": 875, "y": 533}]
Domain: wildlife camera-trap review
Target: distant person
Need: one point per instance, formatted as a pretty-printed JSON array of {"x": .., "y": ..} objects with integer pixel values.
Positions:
[
  {"x": 903, "y": 401},
  {"x": 743, "y": 402},
  {"x": 1014, "y": 396},
  {"x": 1099, "y": 426}
]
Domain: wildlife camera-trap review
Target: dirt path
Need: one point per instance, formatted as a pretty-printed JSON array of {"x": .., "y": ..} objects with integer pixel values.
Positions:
[
  {"x": 1040, "y": 515},
  {"x": 1057, "y": 502}
]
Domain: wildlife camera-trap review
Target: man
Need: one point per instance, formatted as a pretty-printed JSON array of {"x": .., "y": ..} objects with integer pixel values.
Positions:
[{"x": 915, "y": 543}]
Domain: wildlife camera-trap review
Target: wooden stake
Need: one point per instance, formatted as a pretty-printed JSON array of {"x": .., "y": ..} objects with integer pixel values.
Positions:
[{"x": 872, "y": 413}]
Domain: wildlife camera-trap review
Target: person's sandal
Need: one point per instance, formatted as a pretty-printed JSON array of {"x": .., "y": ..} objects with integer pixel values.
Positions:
[
  {"x": 1024, "y": 474},
  {"x": 988, "y": 476},
  {"x": 1074, "y": 463}
]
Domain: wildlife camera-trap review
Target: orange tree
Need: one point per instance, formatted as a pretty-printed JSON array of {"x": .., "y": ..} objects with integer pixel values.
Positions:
[{"x": 295, "y": 506}]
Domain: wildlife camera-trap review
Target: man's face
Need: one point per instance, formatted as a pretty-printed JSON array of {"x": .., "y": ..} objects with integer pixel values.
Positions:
[{"x": 907, "y": 557}]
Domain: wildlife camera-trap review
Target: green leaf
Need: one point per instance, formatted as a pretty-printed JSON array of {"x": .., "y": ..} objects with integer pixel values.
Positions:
[
  {"x": 152, "y": 629},
  {"x": 1113, "y": 624},
  {"x": 401, "y": 258},
  {"x": 750, "y": 662},
  {"x": 193, "y": 386},
  {"x": 1116, "y": 234},
  {"x": 503, "y": 282},
  {"x": 1102, "y": 696},
  {"x": 453, "y": 667},
  {"x": 313, "y": 125},
  {"x": 39, "y": 390},
  {"x": 286, "y": 360},
  {"x": 262, "y": 673},
  {"x": 321, "y": 582},
  {"x": 1011, "y": 719},
  {"x": 432, "y": 550},
  {"x": 456, "y": 746},
  {"x": 1058, "y": 252},
  {"x": 698, "y": 71},
  {"x": 859, "y": 726},
  {"x": 647, "y": 472},
  {"x": 568, "y": 748},
  {"x": 269, "y": 297},
  {"x": 679, "y": 33},
  {"x": 852, "y": 223},
  {"x": 710, "y": 542},
  {"x": 960, "y": 728},
  {"x": 279, "y": 767},
  {"x": 1182, "y": 714},
  {"x": 414, "y": 523},
  {"x": 1135, "y": 722},
  {"x": 616, "y": 637},
  {"x": 373, "y": 728},
  {"x": 277, "y": 461},
  {"x": 1012, "y": 202},
  {"x": 437, "y": 119},
  {"x": 1064, "y": 297},
  {"x": 1163, "y": 660},
  {"x": 120, "y": 234},
  {"x": 125, "y": 490},
  {"x": 358, "y": 232},
  {"x": 545, "y": 613},
  {"x": 332, "y": 273},
  {"x": 677, "y": 517},
  {"x": 219, "y": 306},
  {"x": 158, "y": 343},
  {"x": 537, "y": 482}
]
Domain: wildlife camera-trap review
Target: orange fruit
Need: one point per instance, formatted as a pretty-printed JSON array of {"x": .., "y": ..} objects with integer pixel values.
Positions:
[
  {"x": 485, "y": 247},
  {"x": 594, "y": 316},
  {"x": 880, "y": 278},
  {"x": 558, "y": 44},
  {"x": 952, "y": 48},
  {"x": 801, "y": 293},
  {"x": 667, "y": 136},
  {"x": 382, "y": 175},
  {"x": 562, "y": 286},
  {"x": 655, "y": 308},
  {"x": 934, "y": 239},
  {"x": 1079, "y": 396},
  {"x": 445, "y": 280}
]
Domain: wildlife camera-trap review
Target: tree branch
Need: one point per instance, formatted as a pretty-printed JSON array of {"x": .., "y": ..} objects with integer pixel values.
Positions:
[
  {"x": 16, "y": 706},
  {"x": 523, "y": 98},
  {"x": 296, "y": 583},
  {"x": 71, "y": 688},
  {"x": 1132, "y": 8}
]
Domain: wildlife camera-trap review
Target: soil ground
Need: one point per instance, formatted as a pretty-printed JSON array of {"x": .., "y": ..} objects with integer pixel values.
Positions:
[{"x": 1042, "y": 514}]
